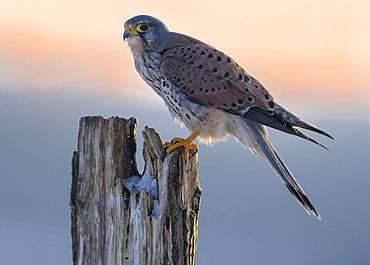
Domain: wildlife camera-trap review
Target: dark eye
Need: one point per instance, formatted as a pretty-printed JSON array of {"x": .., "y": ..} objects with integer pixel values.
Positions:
[{"x": 142, "y": 27}]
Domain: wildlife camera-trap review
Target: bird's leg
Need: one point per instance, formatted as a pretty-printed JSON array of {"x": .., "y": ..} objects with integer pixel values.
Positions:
[{"x": 187, "y": 143}]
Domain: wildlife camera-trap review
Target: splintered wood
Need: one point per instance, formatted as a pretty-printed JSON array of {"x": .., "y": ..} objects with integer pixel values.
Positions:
[{"x": 122, "y": 217}]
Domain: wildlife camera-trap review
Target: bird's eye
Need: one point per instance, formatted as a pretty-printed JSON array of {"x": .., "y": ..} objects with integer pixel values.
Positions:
[{"x": 142, "y": 27}]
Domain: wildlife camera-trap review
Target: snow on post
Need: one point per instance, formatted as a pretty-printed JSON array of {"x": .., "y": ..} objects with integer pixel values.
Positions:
[{"x": 120, "y": 216}]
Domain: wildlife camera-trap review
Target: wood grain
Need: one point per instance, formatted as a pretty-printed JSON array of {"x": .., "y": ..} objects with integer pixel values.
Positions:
[{"x": 112, "y": 225}]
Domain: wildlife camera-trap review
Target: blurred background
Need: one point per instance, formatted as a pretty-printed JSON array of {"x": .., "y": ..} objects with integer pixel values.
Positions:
[{"x": 60, "y": 60}]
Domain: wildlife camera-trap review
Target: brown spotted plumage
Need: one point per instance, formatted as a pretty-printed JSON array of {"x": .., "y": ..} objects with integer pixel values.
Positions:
[
  {"x": 212, "y": 96},
  {"x": 211, "y": 78}
]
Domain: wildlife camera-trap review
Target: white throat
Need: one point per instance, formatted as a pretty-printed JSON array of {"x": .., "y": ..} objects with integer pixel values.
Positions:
[{"x": 136, "y": 46}]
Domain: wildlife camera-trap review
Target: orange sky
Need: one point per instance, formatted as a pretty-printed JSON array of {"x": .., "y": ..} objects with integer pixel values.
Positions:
[{"x": 300, "y": 49}]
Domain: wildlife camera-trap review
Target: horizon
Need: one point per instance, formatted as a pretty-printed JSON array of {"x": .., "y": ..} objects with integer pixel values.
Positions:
[
  {"x": 61, "y": 60},
  {"x": 300, "y": 51}
]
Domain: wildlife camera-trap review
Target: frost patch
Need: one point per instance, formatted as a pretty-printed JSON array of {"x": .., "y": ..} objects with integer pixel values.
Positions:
[
  {"x": 145, "y": 183},
  {"x": 156, "y": 208},
  {"x": 131, "y": 182}
]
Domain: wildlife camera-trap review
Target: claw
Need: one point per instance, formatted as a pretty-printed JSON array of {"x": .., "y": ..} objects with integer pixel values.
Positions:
[
  {"x": 177, "y": 140},
  {"x": 186, "y": 143},
  {"x": 167, "y": 144},
  {"x": 194, "y": 147}
]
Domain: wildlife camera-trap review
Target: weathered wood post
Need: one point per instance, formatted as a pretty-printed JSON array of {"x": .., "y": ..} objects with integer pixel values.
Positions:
[{"x": 121, "y": 217}]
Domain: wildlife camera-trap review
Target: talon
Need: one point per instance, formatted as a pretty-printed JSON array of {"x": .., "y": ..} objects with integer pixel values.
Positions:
[
  {"x": 194, "y": 147},
  {"x": 167, "y": 144},
  {"x": 186, "y": 143},
  {"x": 177, "y": 140}
]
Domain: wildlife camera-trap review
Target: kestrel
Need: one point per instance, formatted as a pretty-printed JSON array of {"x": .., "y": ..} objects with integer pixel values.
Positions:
[{"x": 212, "y": 96}]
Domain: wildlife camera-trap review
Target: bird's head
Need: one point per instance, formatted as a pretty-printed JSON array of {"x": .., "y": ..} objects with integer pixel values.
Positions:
[{"x": 144, "y": 33}]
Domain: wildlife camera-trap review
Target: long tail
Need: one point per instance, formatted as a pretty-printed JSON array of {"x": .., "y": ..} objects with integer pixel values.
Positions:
[
  {"x": 262, "y": 145},
  {"x": 285, "y": 121}
]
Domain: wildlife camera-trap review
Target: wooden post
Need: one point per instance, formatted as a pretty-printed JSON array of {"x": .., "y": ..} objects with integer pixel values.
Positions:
[{"x": 121, "y": 217}]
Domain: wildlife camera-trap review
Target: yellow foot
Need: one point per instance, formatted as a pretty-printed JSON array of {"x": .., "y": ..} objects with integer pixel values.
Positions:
[{"x": 186, "y": 143}]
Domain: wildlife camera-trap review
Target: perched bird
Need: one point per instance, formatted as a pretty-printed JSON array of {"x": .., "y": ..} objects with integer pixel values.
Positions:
[{"x": 212, "y": 96}]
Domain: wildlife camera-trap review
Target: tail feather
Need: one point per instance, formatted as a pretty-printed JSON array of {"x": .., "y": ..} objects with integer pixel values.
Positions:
[
  {"x": 307, "y": 126},
  {"x": 267, "y": 150},
  {"x": 302, "y": 135},
  {"x": 285, "y": 121}
]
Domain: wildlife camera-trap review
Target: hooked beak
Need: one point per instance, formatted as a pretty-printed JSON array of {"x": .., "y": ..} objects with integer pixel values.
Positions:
[
  {"x": 126, "y": 35},
  {"x": 129, "y": 32}
]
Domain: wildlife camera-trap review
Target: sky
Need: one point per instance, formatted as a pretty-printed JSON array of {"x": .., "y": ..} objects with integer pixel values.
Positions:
[
  {"x": 247, "y": 216},
  {"x": 60, "y": 60},
  {"x": 317, "y": 51}
]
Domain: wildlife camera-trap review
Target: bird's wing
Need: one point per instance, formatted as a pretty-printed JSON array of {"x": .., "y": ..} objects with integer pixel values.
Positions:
[{"x": 211, "y": 78}]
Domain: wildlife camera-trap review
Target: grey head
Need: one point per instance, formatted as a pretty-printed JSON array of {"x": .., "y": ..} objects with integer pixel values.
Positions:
[{"x": 145, "y": 33}]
